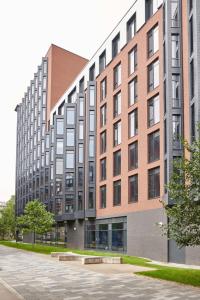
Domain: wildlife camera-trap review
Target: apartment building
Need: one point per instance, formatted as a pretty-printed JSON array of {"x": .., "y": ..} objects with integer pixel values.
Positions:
[{"x": 103, "y": 148}]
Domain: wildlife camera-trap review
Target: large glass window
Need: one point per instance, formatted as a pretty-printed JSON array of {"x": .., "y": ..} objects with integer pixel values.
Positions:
[
  {"x": 59, "y": 166},
  {"x": 69, "y": 207},
  {"x": 59, "y": 126},
  {"x": 154, "y": 146},
  {"x": 103, "y": 169},
  {"x": 102, "y": 61},
  {"x": 70, "y": 137},
  {"x": 103, "y": 196},
  {"x": 81, "y": 130},
  {"x": 80, "y": 153},
  {"x": 91, "y": 120},
  {"x": 70, "y": 115},
  {"x": 192, "y": 84},
  {"x": 91, "y": 146},
  {"x": 117, "y": 133},
  {"x": 103, "y": 89},
  {"x": 70, "y": 159},
  {"x": 151, "y": 8},
  {"x": 80, "y": 200},
  {"x": 91, "y": 172},
  {"x": 133, "y": 123},
  {"x": 133, "y": 155},
  {"x": 175, "y": 13},
  {"x": 72, "y": 96},
  {"x": 116, "y": 46},
  {"x": 117, "y": 163},
  {"x": 103, "y": 115},
  {"x": 103, "y": 142},
  {"x": 81, "y": 107},
  {"x": 80, "y": 177},
  {"x": 132, "y": 91},
  {"x": 117, "y": 76},
  {"x": 175, "y": 50},
  {"x": 176, "y": 90},
  {"x": 133, "y": 188},
  {"x": 176, "y": 123},
  {"x": 153, "y": 75},
  {"x": 58, "y": 207},
  {"x": 58, "y": 188},
  {"x": 153, "y": 111},
  {"x": 153, "y": 40},
  {"x": 131, "y": 28},
  {"x": 92, "y": 95},
  {"x": 91, "y": 198},
  {"x": 117, "y": 192},
  {"x": 191, "y": 35},
  {"x": 132, "y": 60},
  {"x": 154, "y": 183},
  {"x": 59, "y": 146},
  {"x": 117, "y": 105},
  {"x": 69, "y": 181}
]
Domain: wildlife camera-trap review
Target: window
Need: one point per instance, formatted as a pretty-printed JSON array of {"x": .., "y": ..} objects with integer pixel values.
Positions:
[
  {"x": 59, "y": 146},
  {"x": 91, "y": 198},
  {"x": 131, "y": 28},
  {"x": 103, "y": 89},
  {"x": 132, "y": 91},
  {"x": 192, "y": 79},
  {"x": 133, "y": 188},
  {"x": 117, "y": 192},
  {"x": 81, "y": 107},
  {"x": 175, "y": 13},
  {"x": 58, "y": 187},
  {"x": 116, "y": 46},
  {"x": 91, "y": 146},
  {"x": 103, "y": 115},
  {"x": 80, "y": 200},
  {"x": 193, "y": 121},
  {"x": 70, "y": 159},
  {"x": 59, "y": 166},
  {"x": 153, "y": 41},
  {"x": 70, "y": 115},
  {"x": 117, "y": 133},
  {"x": 117, "y": 163},
  {"x": 103, "y": 169},
  {"x": 153, "y": 111},
  {"x": 176, "y": 123},
  {"x": 132, "y": 60},
  {"x": 133, "y": 155},
  {"x": 61, "y": 109},
  {"x": 102, "y": 61},
  {"x": 117, "y": 105},
  {"x": 190, "y": 5},
  {"x": 81, "y": 130},
  {"x": 175, "y": 50},
  {"x": 72, "y": 97},
  {"x": 153, "y": 75},
  {"x": 103, "y": 196},
  {"x": 44, "y": 98},
  {"x": 70, "y": 137},
  {"x": 151, "y": 7},
  {"x": 69, "y": 208},
  {"x": 91, "y": 172},
  {"x": 191, "y": 36},
  {"x": 176, "y": 90},
  {"x": 154, "y": 183},
  {"x": 69, "y": 182},
  {"x": 80, "y": 153},
  {"x": 58, "y": 207},
  {"x": 91, "y": 120},
  {"x": 81, "y": 85},
  {"x": 51, "y": 174},
  {"x": 59, "y": 126},
  {"x": 117, "y": 76},
  {"x": 52, "y": 154},
  {"x": 133, "y": 123},
  {"x": 154, "y": 146},
  {"x": 92, "y": 73},
  {"x": 80, "y": 177},
  {"x": 103, "y": 142},
  {"x": 44, "y": 83},
  {"x": 92, "y": 95}
]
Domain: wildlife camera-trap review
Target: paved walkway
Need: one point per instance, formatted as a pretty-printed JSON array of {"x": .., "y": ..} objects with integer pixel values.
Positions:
[{"x": 39, "y": 277}]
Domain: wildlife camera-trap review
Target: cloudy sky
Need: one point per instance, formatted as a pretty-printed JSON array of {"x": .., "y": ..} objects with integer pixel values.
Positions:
[{"x": 27, "y": 28}]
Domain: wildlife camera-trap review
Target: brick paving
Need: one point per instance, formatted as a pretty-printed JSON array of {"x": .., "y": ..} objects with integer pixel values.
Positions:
[{"x": 39, "y": 277}]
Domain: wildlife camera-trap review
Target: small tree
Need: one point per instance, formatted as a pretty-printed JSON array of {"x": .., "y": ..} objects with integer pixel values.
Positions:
[
  {"x": 184, "y": 190},
  {"x": 36, "y": 219},
  {"x": 7, "y": 219}
]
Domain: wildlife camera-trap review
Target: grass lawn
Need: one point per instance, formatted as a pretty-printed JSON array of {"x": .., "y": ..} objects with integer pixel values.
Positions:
[{"x": 185, "y": 276}]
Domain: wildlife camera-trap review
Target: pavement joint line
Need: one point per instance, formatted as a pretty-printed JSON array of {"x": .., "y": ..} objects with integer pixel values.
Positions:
[{"x": 13, "y": 291}]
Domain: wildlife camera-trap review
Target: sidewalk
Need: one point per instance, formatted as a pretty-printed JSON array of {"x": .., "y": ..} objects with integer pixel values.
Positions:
[{"x": 8, "y": 293}]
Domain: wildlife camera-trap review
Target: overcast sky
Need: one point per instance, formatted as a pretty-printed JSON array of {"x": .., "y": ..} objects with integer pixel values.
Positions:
[{"x": 27, "y": 28}]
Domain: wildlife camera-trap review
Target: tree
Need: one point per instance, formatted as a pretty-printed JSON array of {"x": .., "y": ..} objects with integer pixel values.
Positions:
[
  {"x": 184, "y": 190},
  {"x": 36, "y": 218},
  {"x": 7, "y": 219}
]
